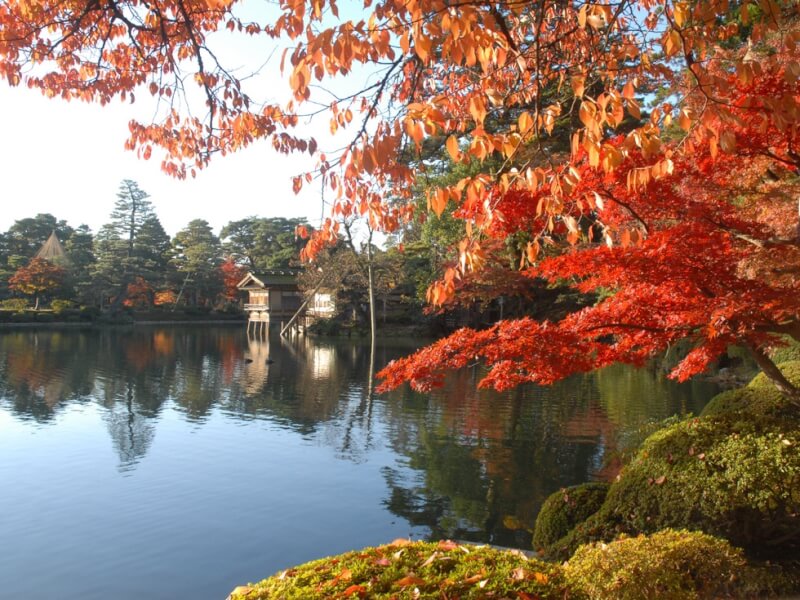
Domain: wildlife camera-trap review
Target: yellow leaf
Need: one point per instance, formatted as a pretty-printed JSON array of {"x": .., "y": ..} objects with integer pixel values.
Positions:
[
  {"x": 477, "y": 109},
  {"x": 525, "y": 122},
  {"x": 578, "y": 84},
  {"x": 582, "y": 16},
  {"x": 587, "y": 113},
  {"x": 680, "y": 13},
  {"x": 495, "y": 97},
  {"x": 684, "y": 120},
  {"x": 633, "y": 109},
  {"x": 453, "y": 149}
]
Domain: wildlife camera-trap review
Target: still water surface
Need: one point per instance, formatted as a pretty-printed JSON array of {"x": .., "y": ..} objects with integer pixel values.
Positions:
[{"x": 179, "y": 462}]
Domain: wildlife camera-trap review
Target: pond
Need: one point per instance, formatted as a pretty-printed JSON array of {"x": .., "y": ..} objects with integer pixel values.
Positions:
[{"x": 180, "y": 462}]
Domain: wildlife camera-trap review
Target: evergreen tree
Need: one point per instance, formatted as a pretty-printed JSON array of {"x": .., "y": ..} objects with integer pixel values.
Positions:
[
  {"x": 80, "y": 263},
  {"x": 152, "y": 250},
  {"x": 263, "y": 243},
  {"x": 121, "y": 257},
  {"x": 24, "y": 238},
  {"x": 197, "y": 256}
]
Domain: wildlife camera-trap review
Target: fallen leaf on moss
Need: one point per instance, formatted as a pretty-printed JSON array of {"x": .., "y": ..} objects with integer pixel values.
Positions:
[
  {"x": 409, "y": 580},
  {"x": 356, "y": 589}
]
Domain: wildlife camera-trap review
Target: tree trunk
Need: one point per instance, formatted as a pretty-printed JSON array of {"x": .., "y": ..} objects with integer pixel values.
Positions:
[
  {"x": 36, "y": 303},
  {"x": 773, "y": 373},
  {"x": 116, "y": 304},
  {"x": 371, "y": 291}
]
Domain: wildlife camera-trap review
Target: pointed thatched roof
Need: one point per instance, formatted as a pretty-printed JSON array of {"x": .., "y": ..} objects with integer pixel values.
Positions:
[{"x": 52, "y": 249}]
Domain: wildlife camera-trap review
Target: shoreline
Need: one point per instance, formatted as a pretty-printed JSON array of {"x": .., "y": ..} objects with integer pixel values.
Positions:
[{"x": 90, "y": 325}]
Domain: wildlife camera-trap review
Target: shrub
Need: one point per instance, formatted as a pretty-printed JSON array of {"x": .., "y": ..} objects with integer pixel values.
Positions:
[
  {"x": 325, "y": 327},
  {"x": 565, "y": 509},
  {"x": 735, "y": 476},
  {"x": 45, "y": 317},
  {"x": 89, "y": 313},
  {"x": 759, "y": 396},
  {"x": 414, "y": 570},
  {"x": 668, "y": 565},
  {"x": 15, "y": 304},
  {"x": 786, "y": 353},
  {"x": 61, "y": 306}
]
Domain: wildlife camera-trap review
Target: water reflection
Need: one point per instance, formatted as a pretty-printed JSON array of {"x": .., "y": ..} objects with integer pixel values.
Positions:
[{"x": 462, "y": 464}]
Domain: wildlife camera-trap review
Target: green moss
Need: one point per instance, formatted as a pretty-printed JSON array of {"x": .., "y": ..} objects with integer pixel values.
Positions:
[
  {"x": 668, "y": 565},
  {"x": 736, "y": 476},
  {"x": 414, "y": 570},
  {"x": 786, "y": 353},
  {"x": 790, "y": 370},
  {"x": 565, "y": 509},
  {"x": 759, "y": 396},
  {"x": 734, "y": 472},
  {"x": 765, "y": 579}
]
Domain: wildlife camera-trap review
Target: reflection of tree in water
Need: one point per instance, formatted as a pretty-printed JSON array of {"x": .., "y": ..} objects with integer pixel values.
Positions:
[
  {"x": 131, "y": 431},
  {"x": 40, "y": 371}
]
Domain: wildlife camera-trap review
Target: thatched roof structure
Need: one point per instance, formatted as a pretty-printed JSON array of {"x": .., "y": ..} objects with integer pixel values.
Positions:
[{"x": 52, "y": 249}]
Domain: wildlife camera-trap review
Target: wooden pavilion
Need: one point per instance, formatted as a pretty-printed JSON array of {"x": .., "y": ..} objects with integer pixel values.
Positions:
[{"x": 274, "y": 297}]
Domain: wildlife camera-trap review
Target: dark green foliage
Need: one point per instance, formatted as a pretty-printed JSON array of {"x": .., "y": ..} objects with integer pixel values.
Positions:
[
  {"x": 325, "y": 327},
  {"x": 197, "y": 257},
  {"x": 263, "y": 243},
  {"x": 668, "y": 565},
  {"x": 414, "y": 570},
  {"x": 564, "y": 509}
]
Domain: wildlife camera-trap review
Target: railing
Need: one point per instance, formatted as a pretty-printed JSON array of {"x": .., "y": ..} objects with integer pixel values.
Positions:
[{"x": 261, "y": 307}]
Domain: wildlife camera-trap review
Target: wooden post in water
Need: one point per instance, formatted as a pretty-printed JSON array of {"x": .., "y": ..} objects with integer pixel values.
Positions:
[{"x": 302, "y": 307}]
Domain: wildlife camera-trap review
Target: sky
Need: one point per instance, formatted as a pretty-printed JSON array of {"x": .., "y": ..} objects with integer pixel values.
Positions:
[{"x": 68, "y": 159}]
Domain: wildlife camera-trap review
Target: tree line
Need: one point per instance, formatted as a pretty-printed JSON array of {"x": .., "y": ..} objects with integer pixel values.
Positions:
[{"x": 131, "y": 261}]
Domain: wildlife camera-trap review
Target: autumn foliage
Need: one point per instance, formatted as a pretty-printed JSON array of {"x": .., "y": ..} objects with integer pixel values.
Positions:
[
  {"x": 647, "y": 149},
  {"x": 232, "y": 274},
  {"x": 39, "y": 276}
]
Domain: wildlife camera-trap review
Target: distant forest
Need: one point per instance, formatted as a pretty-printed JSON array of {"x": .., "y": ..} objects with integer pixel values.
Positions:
[{"x": 132, "y": 262}]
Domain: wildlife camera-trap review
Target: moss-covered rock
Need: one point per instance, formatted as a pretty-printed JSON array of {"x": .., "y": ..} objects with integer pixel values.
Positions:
[
  {"x": 668, "y": 565},
  {"x": 414, "y": 570},
  {"x": 735, "y": 476},
  {"x": 565, "y": 509},
  {"x": 759, "y": 396},
  {"x": 788, "y": 352},
  {"x": 734, "y": 472}
]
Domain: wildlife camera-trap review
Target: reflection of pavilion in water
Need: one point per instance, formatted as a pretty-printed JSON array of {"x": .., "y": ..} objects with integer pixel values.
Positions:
[{"x": 304, "y": 358}]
